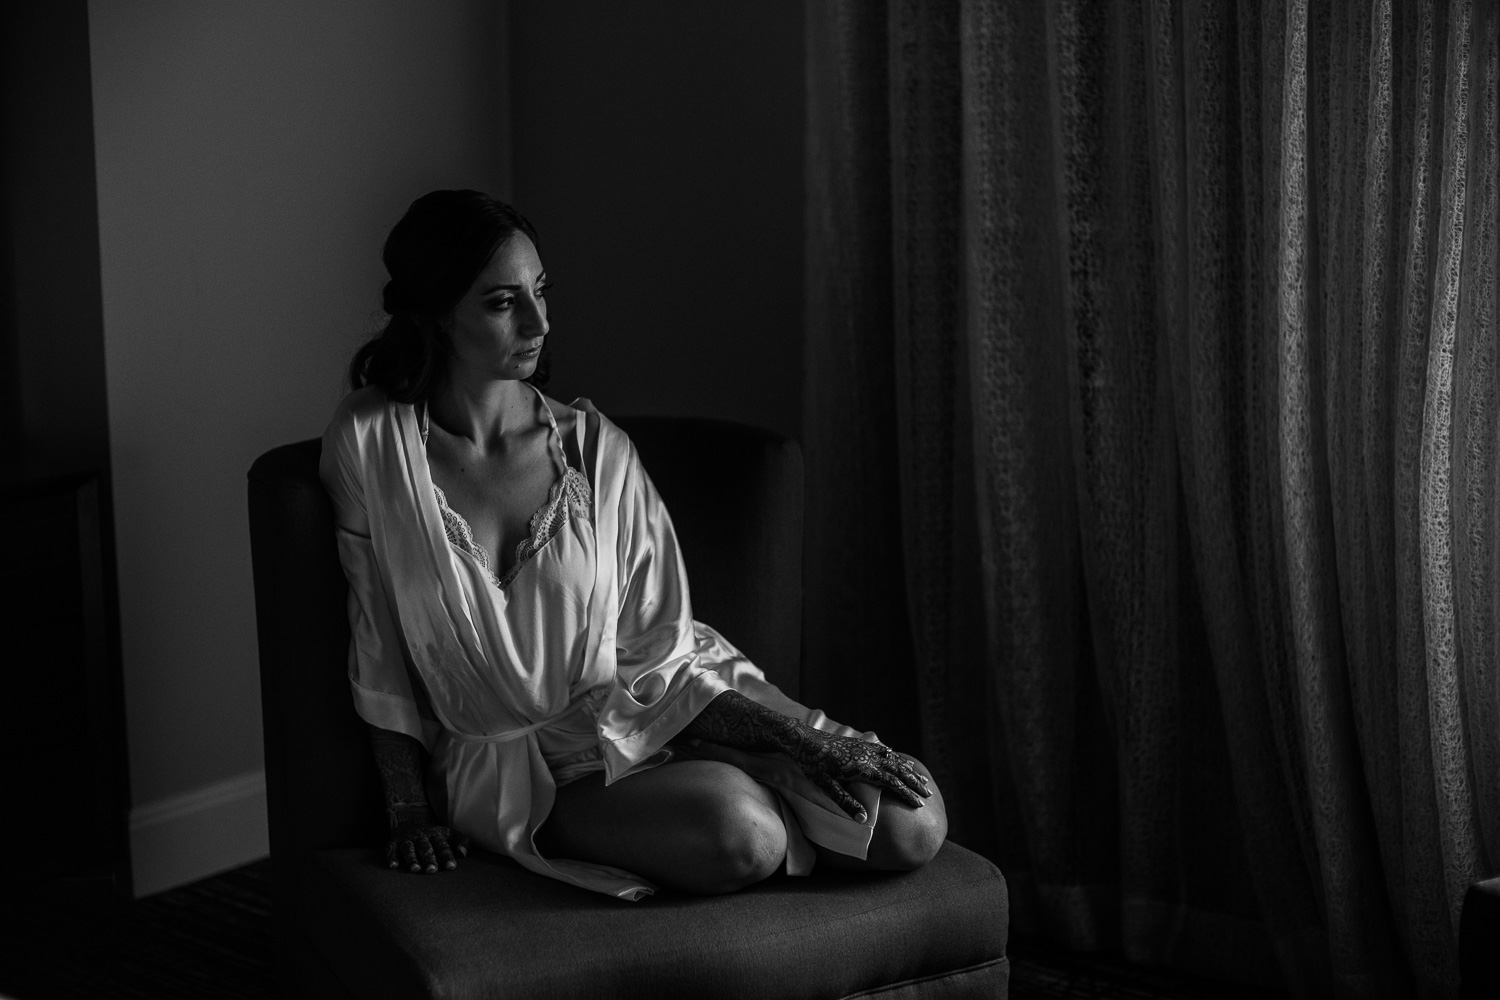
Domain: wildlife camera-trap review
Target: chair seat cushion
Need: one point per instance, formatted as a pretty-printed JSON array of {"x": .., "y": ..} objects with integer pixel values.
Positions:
[{"x": 459, "y": 934}]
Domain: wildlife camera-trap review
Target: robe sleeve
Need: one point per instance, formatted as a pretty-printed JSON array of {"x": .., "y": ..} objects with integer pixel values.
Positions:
[
  {"x": 660, "y": 682},
  {"x": 379, "y": 676}
]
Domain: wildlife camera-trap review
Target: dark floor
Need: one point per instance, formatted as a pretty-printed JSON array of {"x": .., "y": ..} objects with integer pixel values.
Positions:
[
  {"x": 1041, "y": 969},
  {"x": 212, "y": 939},
  {"x": 207, "y": 940}
]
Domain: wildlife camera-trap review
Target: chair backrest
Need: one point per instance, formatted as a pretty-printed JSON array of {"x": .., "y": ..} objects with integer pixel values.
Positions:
[{"x": 735, "y": 495}]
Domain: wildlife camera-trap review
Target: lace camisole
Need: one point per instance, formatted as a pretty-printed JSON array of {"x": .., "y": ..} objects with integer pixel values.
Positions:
[{"x": 570, "y": 496}]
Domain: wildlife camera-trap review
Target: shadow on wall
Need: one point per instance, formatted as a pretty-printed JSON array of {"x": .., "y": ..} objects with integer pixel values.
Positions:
[{"x": 250, "y": 160}]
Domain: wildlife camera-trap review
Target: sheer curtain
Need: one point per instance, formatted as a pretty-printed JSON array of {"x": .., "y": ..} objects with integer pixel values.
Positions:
[{"x": 1152, "y": 429}]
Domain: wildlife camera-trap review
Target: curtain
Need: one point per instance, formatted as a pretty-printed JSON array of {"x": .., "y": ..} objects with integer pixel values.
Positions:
[{"x": 1151, "y": 430}]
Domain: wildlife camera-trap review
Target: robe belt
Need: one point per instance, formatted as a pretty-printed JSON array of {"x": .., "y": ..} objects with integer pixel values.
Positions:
[{"x": 515, "y": 734}]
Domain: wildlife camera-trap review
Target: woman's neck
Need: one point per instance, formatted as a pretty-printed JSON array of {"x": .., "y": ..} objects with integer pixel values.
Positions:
[{"x": 482, "y": 412}]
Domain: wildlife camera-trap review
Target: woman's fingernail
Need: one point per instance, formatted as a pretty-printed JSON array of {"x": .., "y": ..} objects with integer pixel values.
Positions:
[{"x": 451, "y": 865}]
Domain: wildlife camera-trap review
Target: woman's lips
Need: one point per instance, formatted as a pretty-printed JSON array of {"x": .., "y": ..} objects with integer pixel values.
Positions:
[{"x": 531, "y": 353}]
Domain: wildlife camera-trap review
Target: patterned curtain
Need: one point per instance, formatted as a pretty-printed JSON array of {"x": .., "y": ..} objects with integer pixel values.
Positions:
[{"x": 1151, "y": 422}]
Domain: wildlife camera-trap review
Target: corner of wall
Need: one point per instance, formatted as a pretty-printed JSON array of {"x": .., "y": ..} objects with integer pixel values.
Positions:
[{"x": 213, "y": 828}]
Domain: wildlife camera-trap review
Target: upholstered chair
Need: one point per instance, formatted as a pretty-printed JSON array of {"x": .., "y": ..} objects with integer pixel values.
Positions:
[
  {"x": 348, "y": 926},
  {"x": 1479, "y": 940}
]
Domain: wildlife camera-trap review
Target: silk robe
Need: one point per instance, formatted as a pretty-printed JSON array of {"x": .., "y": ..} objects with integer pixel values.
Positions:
[{"x": 593, "y": 653}]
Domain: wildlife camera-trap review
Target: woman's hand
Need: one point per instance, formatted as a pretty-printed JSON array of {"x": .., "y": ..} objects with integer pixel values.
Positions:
[
  {"x": 423, "y": 845},
  {"x": 828, "y": 760},
  {"x": 418, "y": 842}
]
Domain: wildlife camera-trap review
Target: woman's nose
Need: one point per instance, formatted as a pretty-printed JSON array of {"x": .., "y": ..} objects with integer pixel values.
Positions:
[{"x": 534, "y": 320}]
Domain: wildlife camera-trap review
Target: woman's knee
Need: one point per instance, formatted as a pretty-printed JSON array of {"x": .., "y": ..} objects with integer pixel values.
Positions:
[
  {"x": 745, "y": 843},
  {"x": 914, "y": 839},
  {"x": 737, "y": 832},
  {"x": 907, "y": 838},
  {"x": 698, "y": 826}
]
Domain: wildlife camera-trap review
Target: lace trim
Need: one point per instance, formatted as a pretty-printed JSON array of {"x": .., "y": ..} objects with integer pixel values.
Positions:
[{"x": 570, "y": 496}]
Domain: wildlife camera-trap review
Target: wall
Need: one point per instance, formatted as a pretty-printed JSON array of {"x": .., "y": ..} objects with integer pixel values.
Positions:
[
  {"x": 657, "y": 147},
  {"x": 250, "y": 157}
]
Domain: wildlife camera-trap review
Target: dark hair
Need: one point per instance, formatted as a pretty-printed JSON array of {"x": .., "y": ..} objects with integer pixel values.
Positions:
[{"x": 433, "y": 255}]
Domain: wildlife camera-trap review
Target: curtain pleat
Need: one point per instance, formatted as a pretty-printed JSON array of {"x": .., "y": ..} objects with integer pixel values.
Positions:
[
  {"x": 1050, "y": 712},
  {"x": 939, "y": 533},
  {"x": 1155, "y": 344},
  {"x": 1363, "y": 510},
  {"x": 1122, "y": 450},
  {"x": 1424, "y": 894},
  {"x": 1347, "y": 869},
  {"x": 1456, "y": 820},
  {"x": 1217, "y": 283},
  {"x": 1477, "y": 514},
  {"x": 857, "y": 643}
]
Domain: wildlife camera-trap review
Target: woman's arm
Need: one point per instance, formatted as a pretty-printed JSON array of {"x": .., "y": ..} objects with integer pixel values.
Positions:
[
  {"x": 655, "y": 641},
  {"x": 383, "y": 693},
  {"x": 734, "y": 720},
  {"x": 417, "y": 840}
]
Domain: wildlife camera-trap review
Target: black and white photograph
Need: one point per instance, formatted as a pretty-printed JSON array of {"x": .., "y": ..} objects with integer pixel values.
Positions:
[{"x": 750, "y": 499}]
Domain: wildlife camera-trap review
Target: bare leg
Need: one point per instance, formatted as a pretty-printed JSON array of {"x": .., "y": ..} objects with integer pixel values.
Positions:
[
  {"x": 904, "y": 838},
  {"x": 698, "y": 826}
]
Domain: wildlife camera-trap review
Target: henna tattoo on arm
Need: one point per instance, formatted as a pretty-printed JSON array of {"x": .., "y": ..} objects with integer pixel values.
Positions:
[
  {"x": 733, "y": 720},
  {"x": 398, "y": 759},
  {"x": 417, "y": 841},
  {"x": 829, "y": 760}
]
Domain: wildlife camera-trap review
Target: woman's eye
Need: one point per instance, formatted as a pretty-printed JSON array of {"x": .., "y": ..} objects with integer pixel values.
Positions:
[
  {"x": 541, "y": 290},
  {"x": 500, "y": 305}
]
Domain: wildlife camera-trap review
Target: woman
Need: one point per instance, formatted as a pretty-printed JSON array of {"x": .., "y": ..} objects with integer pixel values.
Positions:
[{"x": 523, "y": 648}]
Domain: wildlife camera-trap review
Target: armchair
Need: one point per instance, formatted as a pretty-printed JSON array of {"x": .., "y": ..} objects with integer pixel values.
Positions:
[{"x": 346, "y": 926}]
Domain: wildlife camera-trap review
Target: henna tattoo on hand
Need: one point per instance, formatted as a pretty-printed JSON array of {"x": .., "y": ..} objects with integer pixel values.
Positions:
[
  {"x": 829, "y": 760},
  {"x": 417, "y": 841},
  {"x": 425, "y": 848}
]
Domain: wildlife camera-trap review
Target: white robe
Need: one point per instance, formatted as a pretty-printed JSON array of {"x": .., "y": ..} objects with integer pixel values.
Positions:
[{"x": 591, "y": 653}]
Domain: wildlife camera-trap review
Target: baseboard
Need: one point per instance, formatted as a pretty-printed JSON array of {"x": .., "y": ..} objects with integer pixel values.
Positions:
[{"x": 181, "y": 839}]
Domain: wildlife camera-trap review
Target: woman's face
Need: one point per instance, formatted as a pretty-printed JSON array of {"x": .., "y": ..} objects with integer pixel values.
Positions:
[{"x": 499, "y": 324}]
